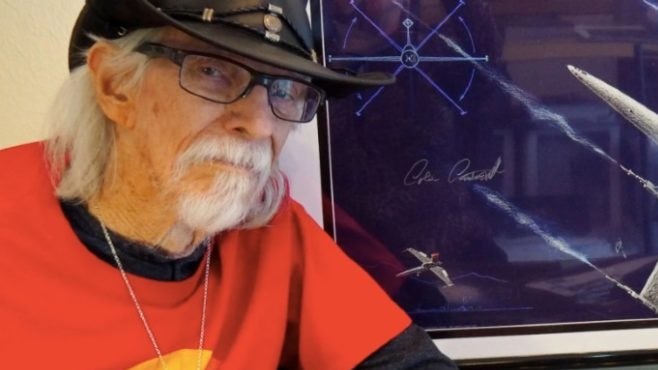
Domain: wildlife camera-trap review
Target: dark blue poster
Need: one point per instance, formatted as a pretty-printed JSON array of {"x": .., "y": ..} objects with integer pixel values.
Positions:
[{"x": 507, "y": 179}]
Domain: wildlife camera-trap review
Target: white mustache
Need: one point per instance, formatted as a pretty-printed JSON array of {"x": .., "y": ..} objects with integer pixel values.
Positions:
[
  {"x": 255, "y": 157},
  {"x": 233, "y": 194}
]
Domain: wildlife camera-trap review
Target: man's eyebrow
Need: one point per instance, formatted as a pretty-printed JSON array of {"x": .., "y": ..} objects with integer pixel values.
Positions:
[{"x": 212, "y": 50}]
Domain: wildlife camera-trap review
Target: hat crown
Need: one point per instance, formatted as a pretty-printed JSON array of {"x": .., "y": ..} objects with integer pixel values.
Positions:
[
  {"x": 275, "y": 32},
  {"x": 250, "y": 15},
  {"x": 254, "y": 15}
]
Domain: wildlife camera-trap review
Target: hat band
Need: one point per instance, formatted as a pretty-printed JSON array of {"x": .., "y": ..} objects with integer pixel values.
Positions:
[{"x": 272, "y": 25}]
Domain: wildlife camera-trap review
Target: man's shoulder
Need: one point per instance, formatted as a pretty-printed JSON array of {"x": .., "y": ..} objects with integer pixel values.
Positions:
[
  {"x": 291, "y": 224},
  {"x": 23, "y": 166},
  {"x": 25, "y": 154},
  {"x": 291, "y": 212}
]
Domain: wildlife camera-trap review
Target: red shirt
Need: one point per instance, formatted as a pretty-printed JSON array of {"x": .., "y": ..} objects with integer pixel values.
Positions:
[{"x": 286, "y": 285}]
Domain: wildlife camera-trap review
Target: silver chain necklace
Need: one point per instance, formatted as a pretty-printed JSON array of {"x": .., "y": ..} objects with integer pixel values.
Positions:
[{"x": 142, "y": 316}]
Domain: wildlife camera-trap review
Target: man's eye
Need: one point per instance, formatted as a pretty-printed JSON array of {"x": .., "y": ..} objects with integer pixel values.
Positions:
[
  {"x": 211, "y": 71},
  {"x": 282, "y": 94},
  {"x": 286, "y": 90}
]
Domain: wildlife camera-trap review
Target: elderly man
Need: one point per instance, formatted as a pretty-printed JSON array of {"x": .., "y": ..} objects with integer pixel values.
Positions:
[{"x": 159, "y": 233}]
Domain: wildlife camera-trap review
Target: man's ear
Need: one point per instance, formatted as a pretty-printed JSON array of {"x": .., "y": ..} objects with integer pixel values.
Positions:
[{"x": 114, "y": 97}]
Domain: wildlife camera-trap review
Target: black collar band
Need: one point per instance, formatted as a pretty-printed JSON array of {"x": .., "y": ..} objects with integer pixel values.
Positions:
[{"x": 136, "y": 258}]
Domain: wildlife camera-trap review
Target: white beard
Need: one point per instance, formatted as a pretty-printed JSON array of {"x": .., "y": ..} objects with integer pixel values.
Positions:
[{"x": 233, "y": 194}]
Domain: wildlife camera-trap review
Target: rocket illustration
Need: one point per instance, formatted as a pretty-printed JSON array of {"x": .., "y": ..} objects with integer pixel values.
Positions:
[{"x": 633, "y": 111}]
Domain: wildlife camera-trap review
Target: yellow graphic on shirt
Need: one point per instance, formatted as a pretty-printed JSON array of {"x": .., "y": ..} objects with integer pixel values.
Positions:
[{"x": 184, "y": 359}]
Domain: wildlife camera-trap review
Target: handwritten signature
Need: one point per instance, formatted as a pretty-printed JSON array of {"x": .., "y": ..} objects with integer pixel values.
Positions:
[
  {"x": 419, "y": 174},
  {"x": 619, "y": 248},
  {"x": 461, "y": 171}
]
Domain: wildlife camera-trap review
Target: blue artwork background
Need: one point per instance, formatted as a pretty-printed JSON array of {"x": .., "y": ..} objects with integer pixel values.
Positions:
[{"x": 409, "y": 165}]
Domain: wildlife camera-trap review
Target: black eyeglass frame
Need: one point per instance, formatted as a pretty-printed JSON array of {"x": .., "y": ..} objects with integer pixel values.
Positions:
[{"x": 177, "y": 56}]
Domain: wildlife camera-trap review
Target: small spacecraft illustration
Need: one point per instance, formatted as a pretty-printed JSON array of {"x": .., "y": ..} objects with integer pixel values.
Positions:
[{"x": 428, "y": 263}]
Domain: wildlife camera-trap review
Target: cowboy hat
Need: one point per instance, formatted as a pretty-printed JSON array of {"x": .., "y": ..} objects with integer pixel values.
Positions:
[{"x": 276, "y": 32}]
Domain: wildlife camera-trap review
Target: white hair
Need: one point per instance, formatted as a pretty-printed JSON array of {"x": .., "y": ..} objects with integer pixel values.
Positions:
[{"x": 81, "y": 138}]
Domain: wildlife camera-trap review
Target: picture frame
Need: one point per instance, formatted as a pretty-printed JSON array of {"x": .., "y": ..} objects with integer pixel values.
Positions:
[{"x": 525, "y": 202}]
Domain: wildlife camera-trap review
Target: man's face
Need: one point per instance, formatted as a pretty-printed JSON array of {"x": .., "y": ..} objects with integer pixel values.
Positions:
[{"x": 211, "y": 159}]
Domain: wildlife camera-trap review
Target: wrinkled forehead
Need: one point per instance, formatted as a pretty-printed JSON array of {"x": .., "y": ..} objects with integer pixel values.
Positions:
[{"x": 180, "y": 40}]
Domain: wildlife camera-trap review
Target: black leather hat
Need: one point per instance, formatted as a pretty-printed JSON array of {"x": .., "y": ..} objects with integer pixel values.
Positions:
[{"x": 276, "y": 32}]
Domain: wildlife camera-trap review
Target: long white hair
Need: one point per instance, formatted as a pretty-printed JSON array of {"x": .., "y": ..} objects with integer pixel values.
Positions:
[{"x": 81, "y": 138}]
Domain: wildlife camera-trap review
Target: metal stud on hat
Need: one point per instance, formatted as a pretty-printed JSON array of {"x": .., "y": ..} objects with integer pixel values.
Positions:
[
  {"x": 272, "y": 23},
  {"x": 207, "y": 15}
]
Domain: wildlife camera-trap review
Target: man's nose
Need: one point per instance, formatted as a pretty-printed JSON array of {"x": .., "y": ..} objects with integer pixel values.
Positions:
[{"x": 251, "y": 117}]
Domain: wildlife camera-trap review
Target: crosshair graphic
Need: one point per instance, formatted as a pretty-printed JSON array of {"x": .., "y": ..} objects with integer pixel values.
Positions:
[{"x": 410, "y": 56}]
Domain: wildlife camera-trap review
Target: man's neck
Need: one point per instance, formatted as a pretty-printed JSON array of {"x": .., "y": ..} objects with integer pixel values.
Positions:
[{"x": 150, "y": 220}]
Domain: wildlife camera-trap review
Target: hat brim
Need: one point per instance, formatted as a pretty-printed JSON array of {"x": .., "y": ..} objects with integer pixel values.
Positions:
[
  {"x": 240, "y": 41},
  {"x": 244, "y": 43}
]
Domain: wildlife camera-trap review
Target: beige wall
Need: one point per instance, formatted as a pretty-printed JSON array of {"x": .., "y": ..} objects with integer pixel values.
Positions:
[
  {"x": 33, "y": 45},
  {"x": 33, "y": 58}
]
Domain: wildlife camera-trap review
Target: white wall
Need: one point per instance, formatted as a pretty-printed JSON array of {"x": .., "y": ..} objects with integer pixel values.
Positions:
[{"x": 33, "y": 58}]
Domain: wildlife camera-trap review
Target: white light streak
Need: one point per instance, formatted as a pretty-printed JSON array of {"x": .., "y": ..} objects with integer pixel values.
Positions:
[
  {"x": 540, "y": 112},
  {"x": 555, "y": 242}
]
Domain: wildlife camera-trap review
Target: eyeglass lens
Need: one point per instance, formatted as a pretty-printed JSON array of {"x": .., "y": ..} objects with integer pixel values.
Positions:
[{"x": 223, "y": 81}]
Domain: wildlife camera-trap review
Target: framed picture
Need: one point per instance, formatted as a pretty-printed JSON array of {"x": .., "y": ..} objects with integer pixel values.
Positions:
[{"x": 495, "y": 191}]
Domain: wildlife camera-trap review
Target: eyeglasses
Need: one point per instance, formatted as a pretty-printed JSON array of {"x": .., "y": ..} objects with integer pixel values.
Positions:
[{"x": 222, "y": 80}]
